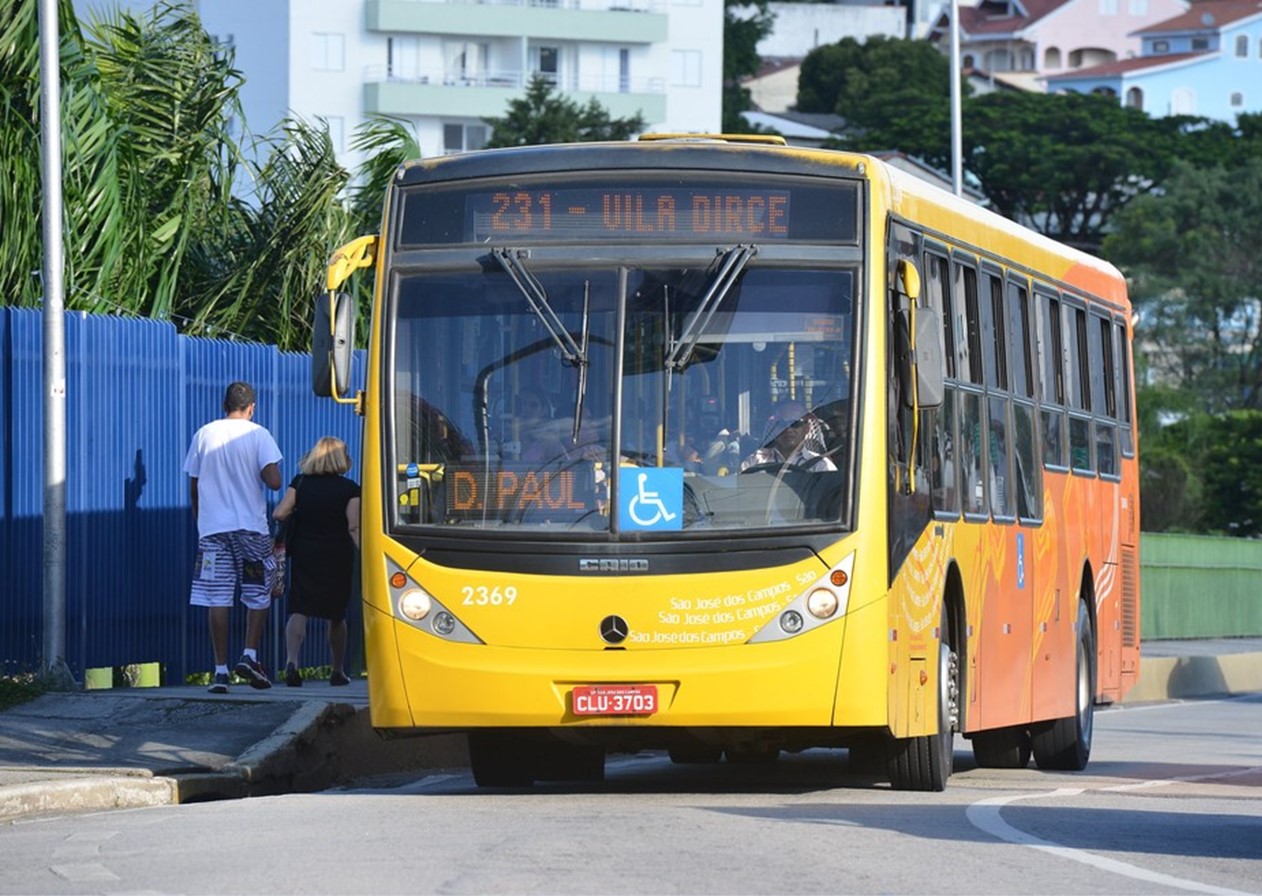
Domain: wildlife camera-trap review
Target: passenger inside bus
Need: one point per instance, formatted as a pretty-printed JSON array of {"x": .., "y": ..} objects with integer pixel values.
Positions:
[
  {"x": 536, "y": 432},
  {"x": 793, "y": 438}
]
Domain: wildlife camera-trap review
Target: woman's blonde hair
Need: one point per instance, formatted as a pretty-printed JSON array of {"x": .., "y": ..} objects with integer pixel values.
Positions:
[{"x": 327, "y": 456}]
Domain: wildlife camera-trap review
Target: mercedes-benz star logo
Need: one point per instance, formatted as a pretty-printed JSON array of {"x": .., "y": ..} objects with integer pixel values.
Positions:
[{"x": 614, "y": 629}]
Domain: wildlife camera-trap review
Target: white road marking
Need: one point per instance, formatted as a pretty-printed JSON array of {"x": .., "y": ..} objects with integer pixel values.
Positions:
[{"x": 985, "y": 816}]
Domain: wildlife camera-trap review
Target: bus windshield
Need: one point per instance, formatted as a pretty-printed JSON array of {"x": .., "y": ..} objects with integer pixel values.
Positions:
[{"x": 622, "y": 399}]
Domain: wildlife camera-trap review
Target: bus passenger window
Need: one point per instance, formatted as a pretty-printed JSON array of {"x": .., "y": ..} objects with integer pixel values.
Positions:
[
  {"x": 1019, "y": 340},
  {"x": 971, "y": 458},
  {"x": 1080, "y": 444},
  {"x": 1027, "y": 478},
  {"x": 1054, "y": 438},
  {"x": 997, "y": 449},
  {"x": 993, "y": 333},
  {"x": 1106, "y": 448},
  {"x": 942, "y": 461}
]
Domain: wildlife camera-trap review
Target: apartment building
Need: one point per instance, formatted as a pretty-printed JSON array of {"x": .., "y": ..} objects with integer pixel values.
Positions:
[{"x": 446, "y": 65}]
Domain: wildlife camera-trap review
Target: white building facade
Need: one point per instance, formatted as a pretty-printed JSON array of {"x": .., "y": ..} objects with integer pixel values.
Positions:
[{"x": 445, "y": 65}]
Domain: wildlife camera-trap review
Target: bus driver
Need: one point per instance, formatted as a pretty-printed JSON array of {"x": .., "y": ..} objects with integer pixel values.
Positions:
[{"x": 794, "y": 438}]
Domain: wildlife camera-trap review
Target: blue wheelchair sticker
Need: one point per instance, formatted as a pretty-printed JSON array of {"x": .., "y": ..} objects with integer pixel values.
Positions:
[{"x": 651, "y": 498}]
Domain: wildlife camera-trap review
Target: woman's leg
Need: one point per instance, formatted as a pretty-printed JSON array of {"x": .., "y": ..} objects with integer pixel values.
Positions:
[
  {"x": 295, "y": 631},
  {"x": 337, "y": 645}
]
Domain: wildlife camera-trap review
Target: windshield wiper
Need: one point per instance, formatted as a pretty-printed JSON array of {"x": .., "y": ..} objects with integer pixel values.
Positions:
[
  {"x": 733, "y": 263},
  {"x": 573, "y": 353},
  {"x": 511, "y": 261}
]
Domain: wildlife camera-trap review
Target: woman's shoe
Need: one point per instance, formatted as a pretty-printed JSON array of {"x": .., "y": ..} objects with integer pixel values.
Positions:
[
  {"x": 292, "y": 678},
  {"x": 337, "y": 679}
]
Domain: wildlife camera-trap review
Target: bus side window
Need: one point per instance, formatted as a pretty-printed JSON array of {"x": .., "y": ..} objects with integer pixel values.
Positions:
[
  {"x": 1027, "y": 472},
  {"x": 1053, "y": 380},
  {"x": 1123, "y": 353},
  {"x": 968, "y": 324},
  {"x": 939, "y": 447},
  {"x": 942, "y": 462},
  {"x": 972, "y": 460},
  {"x": 1104, "y": 394},
  {"x": 1079, "y": 390}
]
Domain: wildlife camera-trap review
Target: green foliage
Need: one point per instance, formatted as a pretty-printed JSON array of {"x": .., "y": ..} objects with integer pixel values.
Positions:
[
  {"x": 1066, "y": 162},
  {"x": 1169, "y": 491},
  {"x": 745, "y": 23},
  {"x": 543, "y": 115},
  {"x": 1231, "y": 468},
  {"x": 18, "y": 689},
  {"x": 153, "y": 225},
  {"x": 893, "y": 93},
  {"x": 1196, "y": 279}
]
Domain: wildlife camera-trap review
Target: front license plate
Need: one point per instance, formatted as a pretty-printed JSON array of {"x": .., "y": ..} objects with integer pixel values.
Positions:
[{"x": 614, "y": 700}]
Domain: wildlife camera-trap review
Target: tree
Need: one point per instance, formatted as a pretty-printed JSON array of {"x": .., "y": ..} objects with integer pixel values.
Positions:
[
  {"x": 893, "y": 93},
  {"x": 745, "y": 23},
  {"x": 1196, "y": 280},
  {"x": 545, "y": 116},
  {"x": 1062, "y": 163},
  {"x": 153, "y": 227}
]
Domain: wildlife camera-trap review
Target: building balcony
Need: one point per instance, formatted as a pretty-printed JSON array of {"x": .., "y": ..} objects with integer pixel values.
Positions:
[
  {"x": 487, "y": 94},
  {"x": 614, "y": 21}
]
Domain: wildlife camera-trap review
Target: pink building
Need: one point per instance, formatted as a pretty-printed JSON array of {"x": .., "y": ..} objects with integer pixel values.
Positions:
[{"x": 1021, "y": 41}]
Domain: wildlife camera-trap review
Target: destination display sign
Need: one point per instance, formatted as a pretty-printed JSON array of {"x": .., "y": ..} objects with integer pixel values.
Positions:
[
  {"x": 629, "y": 210},
  {"x": 520, "y": 493}
]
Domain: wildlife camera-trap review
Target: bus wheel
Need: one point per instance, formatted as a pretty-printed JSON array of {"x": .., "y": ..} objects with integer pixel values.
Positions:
[
  {"x": 1002, "y": 748},
  {"x": 501, "y": 760},
  {"x": 1065, "y": 744},
  {"x": 924, "y": 763}
]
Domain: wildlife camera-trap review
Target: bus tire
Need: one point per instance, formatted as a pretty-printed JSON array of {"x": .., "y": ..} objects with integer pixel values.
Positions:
[
  {"x": 924, "y": 763},
  {"x": 1065, "y": 744},
  {"x": 501, "y": 760},
  {"x": 1002, "y": 748}
]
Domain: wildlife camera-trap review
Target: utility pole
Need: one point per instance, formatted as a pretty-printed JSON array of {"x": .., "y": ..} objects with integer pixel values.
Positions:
[
  {"x": 53, "y": 669},
  {"x": 957, "y": 124}
]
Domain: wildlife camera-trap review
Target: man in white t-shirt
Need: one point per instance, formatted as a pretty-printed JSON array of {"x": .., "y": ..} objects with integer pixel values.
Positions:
[{"x": 229, "y": 463}]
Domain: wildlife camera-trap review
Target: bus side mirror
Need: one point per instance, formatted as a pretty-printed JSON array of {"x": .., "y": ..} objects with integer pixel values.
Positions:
[
  {"x": 929, "y": 366},
  {"x": 332, "y": 342},
  {"x": 909, "y": 278}
]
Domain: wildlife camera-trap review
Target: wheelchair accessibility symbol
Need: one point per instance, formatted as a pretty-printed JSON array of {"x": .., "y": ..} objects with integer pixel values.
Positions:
[{"x": 651, "y": 498}]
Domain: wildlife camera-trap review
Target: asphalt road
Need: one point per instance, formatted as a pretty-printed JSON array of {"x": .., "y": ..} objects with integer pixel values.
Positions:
[{"x": 1169, "y": 804}]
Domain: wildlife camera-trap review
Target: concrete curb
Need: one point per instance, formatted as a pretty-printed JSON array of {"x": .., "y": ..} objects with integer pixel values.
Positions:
[
  {"x": 86, "y": 793},
  {"x": 1181, "y": 677}
]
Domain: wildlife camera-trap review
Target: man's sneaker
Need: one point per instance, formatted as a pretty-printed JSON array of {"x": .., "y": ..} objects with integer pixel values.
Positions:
[
  {"x": 252, "y": 672},
  {"x": 219, "y": 683}
]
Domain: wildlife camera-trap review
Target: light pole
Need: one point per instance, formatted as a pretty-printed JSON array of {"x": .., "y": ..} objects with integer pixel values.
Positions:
[{"x": 957, "y": 126}]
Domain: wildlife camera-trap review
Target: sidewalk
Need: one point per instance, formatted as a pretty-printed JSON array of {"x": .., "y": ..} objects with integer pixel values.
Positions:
[{"x": 129, "y": 747}]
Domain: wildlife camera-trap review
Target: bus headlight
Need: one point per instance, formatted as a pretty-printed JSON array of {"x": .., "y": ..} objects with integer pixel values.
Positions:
[
  {"x": 444, "y": 623},
  {"x": 415, "y": 604},
  {"x": 791, "y": 621},
  {"x": 822, "y": 603}
]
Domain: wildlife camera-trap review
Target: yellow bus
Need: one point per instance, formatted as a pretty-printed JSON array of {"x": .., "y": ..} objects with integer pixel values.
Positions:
[{"x": 726, "y": 448}]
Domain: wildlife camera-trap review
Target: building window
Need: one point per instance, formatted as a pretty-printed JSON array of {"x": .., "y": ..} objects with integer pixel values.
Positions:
[
  {"x": 1137, "y": 7},
  {"x": 328, "y": 52},
  {"x": 548, "y": 63},
  {"x": 1182, "y": 101},
  {"x": 1051, "y": 57},
  {"x": 464, "y": 137},
  {"x": 1108, "y": 7},
  {"x": 1242, "y": 46},
  {"x": 1200, "y": 43},
  {"x": 1161, "y": 46},
  {"x": 1237, "y": 99},
  {"x": 685, "y": 68},
  {"x": 1135, "y": 99}
]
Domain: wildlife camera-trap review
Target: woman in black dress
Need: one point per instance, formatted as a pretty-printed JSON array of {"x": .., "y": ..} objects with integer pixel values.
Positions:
[{"x": 322, "y": 548}]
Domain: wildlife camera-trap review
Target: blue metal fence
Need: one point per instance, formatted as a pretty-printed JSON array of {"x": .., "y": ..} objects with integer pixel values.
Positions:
[{"x": 136, "y": 391}]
